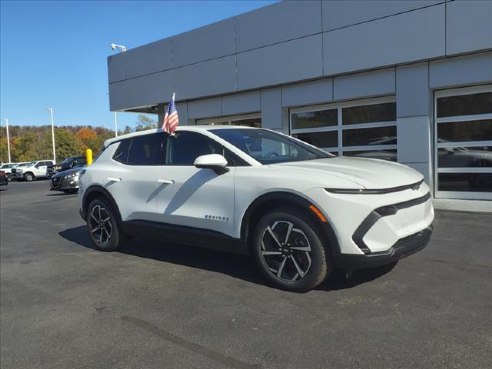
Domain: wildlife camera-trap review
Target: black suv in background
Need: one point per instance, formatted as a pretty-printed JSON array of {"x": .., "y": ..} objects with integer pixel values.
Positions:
[{"x": 68, "y": 163}]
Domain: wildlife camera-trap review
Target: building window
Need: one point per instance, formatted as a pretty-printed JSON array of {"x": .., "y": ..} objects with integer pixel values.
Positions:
[
  {"x": 247, "y": 120},
  {"x": 463, "y": 143},
  {"x": 363, "y": 128}
]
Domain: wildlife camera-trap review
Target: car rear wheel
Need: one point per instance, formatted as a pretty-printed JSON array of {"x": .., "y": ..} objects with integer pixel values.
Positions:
[
  {"x": 288, "y": 252},
  {"x": 102, "y": 226}
]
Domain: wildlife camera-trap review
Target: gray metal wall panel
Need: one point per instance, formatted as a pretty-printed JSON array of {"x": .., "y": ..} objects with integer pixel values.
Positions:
[
  {"x": 286, "y": 62},
  {"x": 248, "y": 102},
  {"x": 117, "y": 96},
  {"x": 271, "y": 108},
  {"x": 151, "y": 58},
  {"x": 468, "y": 26},
  {"x": 345, "y": 13},
  {"x": 182, "y": 109},
  {"x": 402, "y": 38},
  {"x": 212, "y": 77},
  {"x": 414, "y": 139},
  {"x": 461, "y": 70},
  {"x": 149, "y": 90},
  {"x": 284, "y": 21},
  {"x": 314, "y": 92},
  {"x": 205, "y": 108},
  {"x": 412, "y": 90},
  {"x": 376, "y": 83},
  {"x": 213, "y": 41},
  {"x": 115, "y": 68}
]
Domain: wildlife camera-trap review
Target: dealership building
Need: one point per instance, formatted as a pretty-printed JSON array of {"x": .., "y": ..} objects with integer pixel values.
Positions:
[{"x": 406, "y": 81}]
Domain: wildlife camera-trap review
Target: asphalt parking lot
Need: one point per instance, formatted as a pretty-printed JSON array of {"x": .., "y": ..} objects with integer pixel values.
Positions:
[{"x": 66, "y": 305}]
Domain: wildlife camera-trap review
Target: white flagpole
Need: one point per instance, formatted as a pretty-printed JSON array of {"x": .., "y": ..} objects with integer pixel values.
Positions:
[{"x": 8, "y": 139}]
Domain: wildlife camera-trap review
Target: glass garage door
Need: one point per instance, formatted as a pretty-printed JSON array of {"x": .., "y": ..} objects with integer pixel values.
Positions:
[
  {"x": 363, "y": 128},
  {"x": 463, "y": 143},
  {"x": 249, "y": 120}
]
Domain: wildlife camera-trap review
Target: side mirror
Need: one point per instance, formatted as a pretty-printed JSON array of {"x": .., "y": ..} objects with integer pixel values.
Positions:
[{"x": 215, "y": 162}]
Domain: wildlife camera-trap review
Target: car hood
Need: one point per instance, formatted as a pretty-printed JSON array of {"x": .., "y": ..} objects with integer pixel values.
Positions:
[{"x": 366, "y": 173}]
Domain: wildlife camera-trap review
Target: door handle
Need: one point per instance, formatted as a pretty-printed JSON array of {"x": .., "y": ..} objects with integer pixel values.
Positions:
[
  {"x": 166, "y": 181},
  {"x": 113, "y": 179}
]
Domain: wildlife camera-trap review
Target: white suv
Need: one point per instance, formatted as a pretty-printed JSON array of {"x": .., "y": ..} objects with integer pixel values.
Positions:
[
  {"x": 31, "y": 171},
  {"x": 297, "y": 209}
]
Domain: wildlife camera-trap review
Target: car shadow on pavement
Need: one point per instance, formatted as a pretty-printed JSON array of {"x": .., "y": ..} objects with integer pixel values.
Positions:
[
  {"x": 338, "y": 279},
  {"x": 234, "y": 265}
]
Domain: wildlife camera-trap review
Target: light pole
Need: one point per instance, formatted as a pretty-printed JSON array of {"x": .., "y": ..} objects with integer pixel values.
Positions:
[
  {"x": 115, "y": 125},
  {"x": 8, "y": 139},
  {"x": 52, "y": 133},
  {"x": 121, "y": 49}
]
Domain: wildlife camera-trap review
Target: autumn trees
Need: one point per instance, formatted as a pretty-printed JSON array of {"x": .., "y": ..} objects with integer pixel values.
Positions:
[{"x": 34, "y": 142}]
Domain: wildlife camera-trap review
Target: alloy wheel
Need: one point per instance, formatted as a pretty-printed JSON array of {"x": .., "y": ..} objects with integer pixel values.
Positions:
[
  {"x": 286, "y": 251},
  {"x": 100, "y": 226}
]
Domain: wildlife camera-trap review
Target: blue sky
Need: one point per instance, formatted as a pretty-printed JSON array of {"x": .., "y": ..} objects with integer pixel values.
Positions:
[{"x": 53, "y": 53}]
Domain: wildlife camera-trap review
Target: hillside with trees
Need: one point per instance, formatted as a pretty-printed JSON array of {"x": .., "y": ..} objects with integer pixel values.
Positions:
[{"x": 34, "y": 142}]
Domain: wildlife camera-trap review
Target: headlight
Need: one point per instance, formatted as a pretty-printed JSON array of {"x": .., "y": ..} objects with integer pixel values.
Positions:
[
  {"x": 73, "y": 175},
  {"x": 353, "y": 191},
  {"x": 363, "y": 191}
]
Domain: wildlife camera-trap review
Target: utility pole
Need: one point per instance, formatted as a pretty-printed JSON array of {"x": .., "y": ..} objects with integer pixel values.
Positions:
[
  {"x": 52, "y": 133},
  {"x": 8, "y": 139}
]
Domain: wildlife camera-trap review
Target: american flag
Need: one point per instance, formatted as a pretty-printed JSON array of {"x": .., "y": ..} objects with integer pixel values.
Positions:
[{"x": 171, "y": 119}]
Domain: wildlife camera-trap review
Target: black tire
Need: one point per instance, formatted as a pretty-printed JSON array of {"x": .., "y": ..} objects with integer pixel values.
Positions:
[
  {"x": 28, "y": 177},
  {"x": 102, "y": 226},
  {"x": 294, "y": 260}
]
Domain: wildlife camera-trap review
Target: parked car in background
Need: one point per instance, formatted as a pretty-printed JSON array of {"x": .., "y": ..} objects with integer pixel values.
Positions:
[
  {"x": 66, "y": 181},
  {"x": 31, "y": 171},
  {"x": 7, "y": 167},
  {"x": 18, "y": 165},
  {"x": 68, "y": 163},
  {"x": 4, "y": 181}
]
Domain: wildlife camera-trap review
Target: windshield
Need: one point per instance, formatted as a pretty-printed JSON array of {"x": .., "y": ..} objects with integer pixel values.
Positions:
[
  {"x": 268, "y": 147},
  {"x": 67, "y": 160}
]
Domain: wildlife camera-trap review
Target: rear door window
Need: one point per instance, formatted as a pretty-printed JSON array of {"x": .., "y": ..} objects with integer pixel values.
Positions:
[{"x": 148, "y": 149}]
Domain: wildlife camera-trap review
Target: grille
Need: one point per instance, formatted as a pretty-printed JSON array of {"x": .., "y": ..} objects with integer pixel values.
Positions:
[
  {"x": 55, "y": 182},
  {"x": 413, "y": 243}
]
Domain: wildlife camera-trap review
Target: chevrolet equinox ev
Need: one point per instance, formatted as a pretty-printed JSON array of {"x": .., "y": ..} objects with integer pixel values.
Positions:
[{"x": 298, "y": 210}]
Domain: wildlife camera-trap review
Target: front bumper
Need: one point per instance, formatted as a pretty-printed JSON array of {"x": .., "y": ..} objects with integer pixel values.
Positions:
[
  {"x": 373, "y": 223},
  {"x": 16, "y": 175},
  {"x": 402, "y": 248},
  {"x": 64, "y": 184}
]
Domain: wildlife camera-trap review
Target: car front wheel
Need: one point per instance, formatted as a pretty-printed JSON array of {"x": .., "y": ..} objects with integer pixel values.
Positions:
[
  {"x": 102, "y": 226},
  {"x": 28, "y": 177},
  {"x": 288, "y": 251}
]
